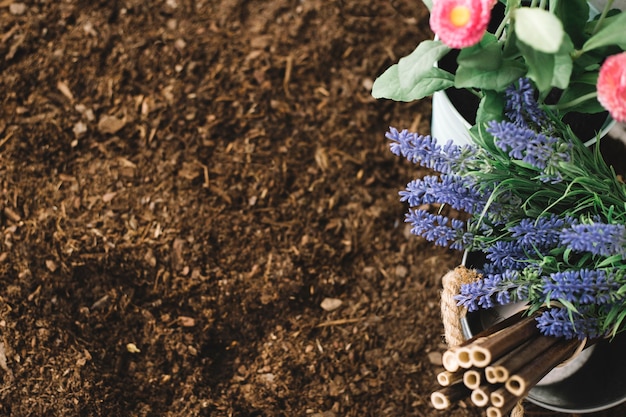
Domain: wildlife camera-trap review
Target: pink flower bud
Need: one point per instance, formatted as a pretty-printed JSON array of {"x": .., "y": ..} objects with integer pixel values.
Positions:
[
  {"x": 460, "y": 23},
  {"x": 612, "y": 86}
]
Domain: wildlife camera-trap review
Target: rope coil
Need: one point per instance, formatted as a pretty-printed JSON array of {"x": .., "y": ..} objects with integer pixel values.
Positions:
[{"x": 451, "y": 313}]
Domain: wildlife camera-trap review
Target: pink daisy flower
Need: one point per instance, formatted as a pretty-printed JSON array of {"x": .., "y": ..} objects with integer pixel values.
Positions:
[
  {"x": 612, "y": 86},
  {"x": 460, "y": 23}
]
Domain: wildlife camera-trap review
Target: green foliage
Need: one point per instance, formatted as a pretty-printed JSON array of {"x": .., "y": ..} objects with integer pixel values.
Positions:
[
  {"x": 415, "y": 76},
  {"x": 559, "y": 49}
]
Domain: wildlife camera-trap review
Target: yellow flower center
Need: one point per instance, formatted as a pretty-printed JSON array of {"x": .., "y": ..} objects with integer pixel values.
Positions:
[{"x": 460, "y": 16}]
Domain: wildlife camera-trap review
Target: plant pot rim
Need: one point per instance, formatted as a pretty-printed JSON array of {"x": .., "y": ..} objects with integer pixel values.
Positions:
[{"x": 596, "y": 386}]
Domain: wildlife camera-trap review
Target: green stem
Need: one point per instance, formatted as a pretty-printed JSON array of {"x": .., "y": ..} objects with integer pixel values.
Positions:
[
  {"x": 504, "y": 22},
  {"x": 553, "y": 5},
  {"x": 575, "y": 102},
  {"x": 606, "y": 9}
]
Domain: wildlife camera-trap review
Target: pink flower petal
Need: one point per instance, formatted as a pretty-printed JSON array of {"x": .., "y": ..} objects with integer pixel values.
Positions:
[
  {"x": 460, "y": 23},
  {"x": 612, "y": 86}
]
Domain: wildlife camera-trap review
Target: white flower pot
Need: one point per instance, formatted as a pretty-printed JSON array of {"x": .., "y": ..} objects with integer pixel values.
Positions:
[{"x": 448, "y": 124}]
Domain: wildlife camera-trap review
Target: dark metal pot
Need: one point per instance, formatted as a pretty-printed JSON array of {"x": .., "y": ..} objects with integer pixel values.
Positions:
[{"x": 595, "y": 380}]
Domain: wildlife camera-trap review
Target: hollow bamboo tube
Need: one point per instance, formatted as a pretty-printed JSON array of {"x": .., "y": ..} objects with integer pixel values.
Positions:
[
  {"x": 443, "y": 398},
  {"x": 496, "y": 327},
  {"x": 472, "y": 378},
  {"x": 484, "y": 351},
  {"x": 495, "y": 373},
  {"x": 450, "y": 356},
  {"x": 480, "y": 396},
  {"x": 504, "y": 410},
  {"x": 531, "y": 373},
  {"x": 446, "y": 378},
  {"x": 501, "y": 397},
  {"x": 464, "y": 356},
  {"x": 507, "y": 365},
  {"x": 449, "y": 361}
]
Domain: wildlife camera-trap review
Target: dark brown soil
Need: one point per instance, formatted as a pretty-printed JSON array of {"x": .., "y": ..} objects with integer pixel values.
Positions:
[{"x": 183, "y": 184}]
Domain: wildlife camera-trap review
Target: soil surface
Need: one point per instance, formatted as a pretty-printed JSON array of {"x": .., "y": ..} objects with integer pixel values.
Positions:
[{"x": 199, "y": 212}]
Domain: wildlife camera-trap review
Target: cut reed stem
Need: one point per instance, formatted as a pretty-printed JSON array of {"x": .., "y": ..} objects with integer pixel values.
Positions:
[
  {"x": 501, "y": 397},
  {"x": 484, "y": 351},
  {"x": 525, "y": 378},
  {"x": 449, "y": 361},
  {"x": 503, "y": 368},
  {"x": 446, "y": 378},
  {"x": 481, "y": 395},
  {"x": 472, "y": 378},
  {"x": 443, "y": 398},
  {"x": 450, "y": 358}
]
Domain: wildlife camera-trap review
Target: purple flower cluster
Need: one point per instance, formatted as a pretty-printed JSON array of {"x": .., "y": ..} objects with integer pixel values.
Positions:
[
  {"x": 458, "y": 192},
  {"x": 505, "y": 254},
  {"x": 493, "y": 289},
  {"x": 424, "y": 150},
  {"x": 596, "y": 238},
  {"x": 536, "y": 149},
  {"x": 530, "y": 238},
  {"x": 521, "y": 171},
  {"x": 582, "y": 286},
  {"x": 560, "y": 322},
  {"x": 542, "y": 232},
  {"x": 521, "y": 107},
  {"x": 439, "y": 229}
]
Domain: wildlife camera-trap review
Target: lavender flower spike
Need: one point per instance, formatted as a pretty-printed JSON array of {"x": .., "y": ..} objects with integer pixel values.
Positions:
[
  {"x": 439, "y": 229},
  {"x": 425, "y": 151},
  {"x": 597, "y": 238},
  {"x": 522, "y": 143},
  {"x": 542, "y": 232},
  {"x": 583, "y": 286},
  {"x": 493, "y": 289},
  {"x": 521, "y": 106},
  {"x": 556, "y": 322},
  {"x": 458, "y": 192}
]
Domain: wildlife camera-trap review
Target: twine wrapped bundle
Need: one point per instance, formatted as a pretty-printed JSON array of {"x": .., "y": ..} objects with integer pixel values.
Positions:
[{"x": 483, "y": 367}]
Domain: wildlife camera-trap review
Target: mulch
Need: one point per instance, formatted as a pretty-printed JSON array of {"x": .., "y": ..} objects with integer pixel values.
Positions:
[{"x": 199, "y": 212}]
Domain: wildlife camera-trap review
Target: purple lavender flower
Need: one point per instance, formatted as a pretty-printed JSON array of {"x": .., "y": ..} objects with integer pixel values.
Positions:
[
  {"x": 542, "y": 232},
  {"x": 521, "y": 106},
  {"x": 582, "y": 286},
  {"x": 439, "y": 229},
  {"x": 536, "y": 149},
  {"x": 460, "y": 193},
  {"x": 425, "y": 150},
  {"x": 556, "y": 322},
  {"x": 493, "y": 289},
  {"x": 507, "y": 255},
  {"x": 596, "y": 238}
]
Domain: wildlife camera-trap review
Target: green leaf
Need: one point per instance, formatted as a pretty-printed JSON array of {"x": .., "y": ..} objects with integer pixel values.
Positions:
[
  {"x": 497, "y": 79},
  {"x": 563, "y": 64},
  {"x": 540, "y": 67},
  {"x": 573, "y": 14},
  {"x": 548, "y": 70},
  {"x": 538, "y": 29},
  {"x": 388, "y": 85},
  {"x": 491, "y": 107},
  {"x": 414, "y": 76},
  {"x": 612, "y": 34},
  {"x": 413, "y": 66},
  {"x": 485, "y": 55}
]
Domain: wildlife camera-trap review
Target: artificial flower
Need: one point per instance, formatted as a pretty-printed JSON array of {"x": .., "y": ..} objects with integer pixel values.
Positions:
[
  {"x": 612, "y": 86},
  {"x": 562, "y": 240},
  {"x": 460, "y": 23}
]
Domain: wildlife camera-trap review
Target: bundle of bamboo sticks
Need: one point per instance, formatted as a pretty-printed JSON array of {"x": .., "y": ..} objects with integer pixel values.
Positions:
[{"x": 497, "y": 367}]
